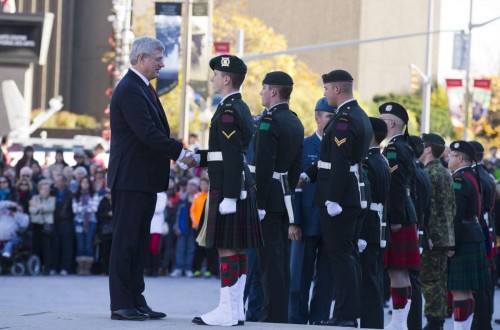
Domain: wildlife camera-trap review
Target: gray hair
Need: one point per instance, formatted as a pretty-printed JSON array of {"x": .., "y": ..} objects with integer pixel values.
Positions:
[{"x": 144, "y": 45}]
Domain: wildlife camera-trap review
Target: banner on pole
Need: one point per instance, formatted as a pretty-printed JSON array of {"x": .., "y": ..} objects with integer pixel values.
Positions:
[
  {"x": 455, "y": 93},
  {"x": 168, "y": 19},
  {"x": 199, "y": 49}
]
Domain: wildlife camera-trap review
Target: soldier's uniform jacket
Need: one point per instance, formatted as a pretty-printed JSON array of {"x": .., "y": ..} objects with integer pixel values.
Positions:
[
  {"x": 442, "y": 208},
  {"x": 231, "y": 130},
  {"x": 488, "y": 193},
  {"x": 377, "y": 171},
  {"x": 402, "y": 166},
  {"x": 345, "y": 143},
  {"x": 277, "y": 148},
  {"x": 468, "y": 204},
  {"x": 306, "y": 213}
]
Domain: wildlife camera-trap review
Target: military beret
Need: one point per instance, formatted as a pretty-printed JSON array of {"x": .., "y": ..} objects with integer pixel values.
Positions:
[
  {"x": 278, "y": 78},
  {"x": 337, "y": 76},
  {"x": 478, "y": 147},
  {"x": 378, "y": 125},
  {"x": 395, "y": 109},
  {"x": 417, "y": 145},
  {"x": 463, "y": 146},
  {"x": 228, "y": 63},
  {"x": 322, "y": 105},
  {"x": 432, "y": 138}
]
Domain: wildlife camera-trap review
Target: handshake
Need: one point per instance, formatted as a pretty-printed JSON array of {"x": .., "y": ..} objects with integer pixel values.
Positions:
[{"x": 188, "y": 160}]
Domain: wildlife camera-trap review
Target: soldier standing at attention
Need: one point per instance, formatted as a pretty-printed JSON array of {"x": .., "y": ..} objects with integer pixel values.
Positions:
[
  {"x": 232, "y": 222},
  {"x": 308, "y": 257},
  {"x": 439, "y": 230},
  {"x": 373, "y": 232},
  {"x": 340, "y": 193},
  {"x": 402, "y": 254},
  {"x": 467, "y": 268},
  {"x": 278, "y": 162}
]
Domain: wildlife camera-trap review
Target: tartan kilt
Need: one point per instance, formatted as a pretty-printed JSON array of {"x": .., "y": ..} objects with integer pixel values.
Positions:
[
  {"x": 402, "y": 252},
  {"x": 240, "y": 230},
  {"x": 468, "y": 268}
]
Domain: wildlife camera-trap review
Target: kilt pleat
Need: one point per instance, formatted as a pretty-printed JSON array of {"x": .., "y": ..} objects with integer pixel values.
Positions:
[
  {"x": 468, "y": 268},
  {"x": 403, "y": 250},
  {"x": 240, "y": 230}
]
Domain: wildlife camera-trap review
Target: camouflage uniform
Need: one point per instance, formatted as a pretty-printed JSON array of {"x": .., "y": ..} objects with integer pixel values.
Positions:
[{"x": 441, "y": 232}]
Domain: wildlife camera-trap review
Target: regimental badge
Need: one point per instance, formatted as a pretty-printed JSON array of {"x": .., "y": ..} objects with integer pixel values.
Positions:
[
  {"x": 388, "y": 108},
  {"x": 225, "y": 61},
  {"x": 340, "y": 142}
]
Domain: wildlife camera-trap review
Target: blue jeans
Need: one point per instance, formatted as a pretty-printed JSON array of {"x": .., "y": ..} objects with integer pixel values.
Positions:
[
  {"x": 10, "y": 243},
  {"x": 85, "y": 240},
  {"x": 184, "y": 250}
]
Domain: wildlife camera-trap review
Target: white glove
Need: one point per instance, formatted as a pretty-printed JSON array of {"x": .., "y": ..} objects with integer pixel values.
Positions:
[
  {"x": 227, "y": 206},
  {"x": 305, "y": 177},
  {"x": 262, "y": 214},
  {"x": 361, "y": 245},
  {"x": 186, "y": 154},
  {"x": 333, "y": 208}
]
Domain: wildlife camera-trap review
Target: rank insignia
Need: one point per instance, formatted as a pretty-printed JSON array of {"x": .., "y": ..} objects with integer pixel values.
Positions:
[
  {"x": 228, "y": 136},
  {"x": 340, "y": 142},
  {"x": 225, "y": 61},
  {"x": 395, "y": 167}
]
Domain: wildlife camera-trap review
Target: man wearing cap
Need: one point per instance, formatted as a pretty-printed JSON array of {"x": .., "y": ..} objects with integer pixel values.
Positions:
[
  {"x": 308, "y": 256},
  {"x": 232, "y": 222},
  {"x": 439, "y": 232},
  {"x": 467, "y": 268},
  {"x": 484, "y": 298},
  {"x": 372, "y": 239},
  {"x": 140, "y": 154},
  {"x": 402, "y": 254},
  {"x": 340, "y": 192},
  {"x": 277, "y": 159}
]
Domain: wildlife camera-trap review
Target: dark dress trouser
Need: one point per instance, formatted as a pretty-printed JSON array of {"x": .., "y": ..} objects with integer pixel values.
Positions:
[
  {"x": 372, "y": 286},
  {"x": 339, "y": 234},
  {"x": 416, "y": 312},
  {"x": 274, "y": 259},
  {"x": 132, "y": 212}
]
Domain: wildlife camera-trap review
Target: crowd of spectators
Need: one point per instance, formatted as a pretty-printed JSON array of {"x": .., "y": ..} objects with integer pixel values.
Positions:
[{"x": 62, "y": 211}]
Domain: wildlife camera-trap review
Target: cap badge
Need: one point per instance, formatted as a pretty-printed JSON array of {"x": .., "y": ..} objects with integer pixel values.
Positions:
[
  {"x": 388, "y": 108},
  {"x": 456, "y": 145},
  {"x": 224, "y": 61}
]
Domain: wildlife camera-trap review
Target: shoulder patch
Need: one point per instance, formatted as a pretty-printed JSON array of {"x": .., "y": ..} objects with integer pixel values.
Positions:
[
  {"x": 264, "y": 126},
  {"x": 227, "y": 118},
  {"x": 391, "y": 155},
  {"x": 341, "y": 126},
  {"x": 457, "y": 185}
]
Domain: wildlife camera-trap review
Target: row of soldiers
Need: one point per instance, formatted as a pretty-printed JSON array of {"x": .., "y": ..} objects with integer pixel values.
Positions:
[{"x": 354, "y": 210}]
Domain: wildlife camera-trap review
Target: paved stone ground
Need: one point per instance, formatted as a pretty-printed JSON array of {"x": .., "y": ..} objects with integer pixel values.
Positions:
[{"x": 75, "y": 302}]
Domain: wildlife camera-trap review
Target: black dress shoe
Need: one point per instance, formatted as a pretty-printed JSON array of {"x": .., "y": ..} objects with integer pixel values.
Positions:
[
  {"x": 198, "y": 320},
  {"x": 151, "y": 313},
  {"x": 334, "y": 322},
  {"x": 129, "y": 314}
]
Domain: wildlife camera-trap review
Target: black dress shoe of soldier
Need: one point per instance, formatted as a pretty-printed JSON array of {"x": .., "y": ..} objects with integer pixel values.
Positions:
[
  {"x": 129, "y": 314},
  {"x": 334, "y": 322},
  {"x": 152, "y": 314},
  {"x": 198, "y": 320}
]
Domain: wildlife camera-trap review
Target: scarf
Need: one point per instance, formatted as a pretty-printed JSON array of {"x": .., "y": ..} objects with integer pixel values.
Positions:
[{"x": 4, "y": 194}]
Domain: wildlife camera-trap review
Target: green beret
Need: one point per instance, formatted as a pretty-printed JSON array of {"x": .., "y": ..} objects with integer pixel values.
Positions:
[
  {"x": 432, "y": 138},
  {"x": 463, "y": 146},
  {"x": 395, "y": 109},
  {"x": 337, "y": 76},
  {"x": 228, "y": 63},
  {"x": 278, "y": 78}
]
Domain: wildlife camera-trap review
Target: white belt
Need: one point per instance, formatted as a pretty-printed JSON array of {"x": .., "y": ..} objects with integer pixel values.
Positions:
[
  {"x": 251, "y": 168},
  {"x": 277, "y": 175},
  {"x": 328, "y": 166},
  {"x": 377, "y": 207},
  {"x": 214, "y": 156}
]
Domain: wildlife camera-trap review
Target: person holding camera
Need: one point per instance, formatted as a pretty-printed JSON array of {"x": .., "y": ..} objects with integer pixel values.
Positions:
[
  {"x": 41, "y": 209},
  {"x": 12, "y": 220}
]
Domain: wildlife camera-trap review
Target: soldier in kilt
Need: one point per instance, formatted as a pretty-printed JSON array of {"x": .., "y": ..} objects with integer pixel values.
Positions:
[
  {"x": 232, "y": 222},
  {"x": 439, "y": 233},
  {"x": 467, "y": 269},
  {"x": 402, "y": 254}
]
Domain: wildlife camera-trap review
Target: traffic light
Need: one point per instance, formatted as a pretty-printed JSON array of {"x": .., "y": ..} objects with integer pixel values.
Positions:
[{"x": 415, "y": 83}]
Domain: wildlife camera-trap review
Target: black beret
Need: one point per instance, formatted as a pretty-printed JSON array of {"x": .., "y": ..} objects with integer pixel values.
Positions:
[
  {"x": 322, "y": 105},
  {"x": 378, "y": 125},
  {"x": 478, "y": 147},
  {"x": 228, "y": 63},
  {"x": 337, "y": 76},
  {"x": 395, "y": 109},
  {"x": 463, "y": 146},
  {"x": 417, "y": 145},
  {"x": 278, "y": 78},
  {"x": 433, "y": 138}
]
